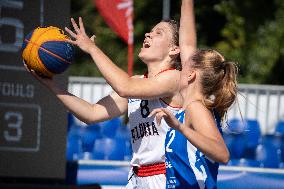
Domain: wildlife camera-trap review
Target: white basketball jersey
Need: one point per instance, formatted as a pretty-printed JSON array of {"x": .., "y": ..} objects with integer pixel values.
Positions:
[{"x": 147, "y": 138}]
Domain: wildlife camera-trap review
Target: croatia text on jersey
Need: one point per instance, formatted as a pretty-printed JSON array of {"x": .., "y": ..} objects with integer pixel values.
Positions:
[{"x": 143, "y": 130}]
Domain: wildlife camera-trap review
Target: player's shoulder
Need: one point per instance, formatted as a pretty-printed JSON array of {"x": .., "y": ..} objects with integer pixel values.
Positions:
[{"x": 198, "y": 108}]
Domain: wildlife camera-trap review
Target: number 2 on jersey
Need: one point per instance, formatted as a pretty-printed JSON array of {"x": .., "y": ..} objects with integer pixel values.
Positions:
[{"x": 172, "y": 136}]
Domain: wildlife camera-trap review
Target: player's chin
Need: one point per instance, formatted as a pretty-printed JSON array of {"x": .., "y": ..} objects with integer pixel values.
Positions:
[
  {"x": 146, "y": 56},
  {"x": 142, "y": 56}
]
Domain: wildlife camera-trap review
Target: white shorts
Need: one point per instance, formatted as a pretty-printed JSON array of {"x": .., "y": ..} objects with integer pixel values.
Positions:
[{"x": 150, "y": 182}]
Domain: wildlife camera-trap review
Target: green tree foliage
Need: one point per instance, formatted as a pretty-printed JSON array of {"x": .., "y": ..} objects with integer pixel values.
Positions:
[
  {"x": 250, "y": 32},
  {"x": 253, "y": 35}
]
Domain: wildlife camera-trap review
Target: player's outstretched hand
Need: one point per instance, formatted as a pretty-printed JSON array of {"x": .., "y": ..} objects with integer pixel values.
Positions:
[
  {"x": 44, "y": 80},
  {"x": 80, "y": 37},
  {"x": 168, "y": 117}
]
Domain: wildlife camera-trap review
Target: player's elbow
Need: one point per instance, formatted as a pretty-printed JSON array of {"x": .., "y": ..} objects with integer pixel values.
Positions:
[
  {"x": 89, "y": 120},
  {"x": 123, "y": 91},
  {"x": 225, "y": 158}
]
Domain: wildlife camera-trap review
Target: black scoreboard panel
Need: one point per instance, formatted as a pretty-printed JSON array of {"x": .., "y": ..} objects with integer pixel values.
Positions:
[{"x": 32, "y": 121}]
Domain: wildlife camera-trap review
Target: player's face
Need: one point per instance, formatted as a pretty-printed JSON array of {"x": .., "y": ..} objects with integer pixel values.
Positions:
[{"x": 157, "y": 43}]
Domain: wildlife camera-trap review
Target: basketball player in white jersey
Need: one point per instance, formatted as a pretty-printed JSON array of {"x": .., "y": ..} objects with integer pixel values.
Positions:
[{"x": 139, "y": 95}]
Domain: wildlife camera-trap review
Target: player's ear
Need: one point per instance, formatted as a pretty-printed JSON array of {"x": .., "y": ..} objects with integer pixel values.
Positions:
[
  {"x": 174, "y": 50},
  {"x": 191, "y": 76}
]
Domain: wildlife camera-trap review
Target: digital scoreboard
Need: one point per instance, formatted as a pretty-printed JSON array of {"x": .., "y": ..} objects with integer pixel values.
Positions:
[{"x": 32, "y": 121}]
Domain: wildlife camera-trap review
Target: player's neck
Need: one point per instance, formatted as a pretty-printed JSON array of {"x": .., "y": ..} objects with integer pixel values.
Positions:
[
  {"x": 192, "y": 93},
  {"x": 154, "y": 68}
]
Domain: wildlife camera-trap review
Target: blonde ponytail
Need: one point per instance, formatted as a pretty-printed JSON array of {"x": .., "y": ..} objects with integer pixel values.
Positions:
[{"x": 218, "y": 80}]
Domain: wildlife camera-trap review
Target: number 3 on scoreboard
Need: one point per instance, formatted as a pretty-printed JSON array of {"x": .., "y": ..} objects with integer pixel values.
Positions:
[{"x": 14, "y": 123}]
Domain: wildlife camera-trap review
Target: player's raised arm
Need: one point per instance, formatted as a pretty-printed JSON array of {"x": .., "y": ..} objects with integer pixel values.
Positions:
[
  {"x": 108, "y": 107},
  {"x": 187, "y": 30},
  {"x": 162, "y": 85}
]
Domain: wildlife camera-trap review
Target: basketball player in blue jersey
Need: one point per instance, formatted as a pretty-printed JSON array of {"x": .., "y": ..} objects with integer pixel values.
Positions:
[
  {"x": 139, "y": 95},
  {"x": 194, "y": 145}
]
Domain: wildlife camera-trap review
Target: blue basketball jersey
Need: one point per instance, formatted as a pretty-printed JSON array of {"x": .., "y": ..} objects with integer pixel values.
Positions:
[{"x": 186, "y": 166}]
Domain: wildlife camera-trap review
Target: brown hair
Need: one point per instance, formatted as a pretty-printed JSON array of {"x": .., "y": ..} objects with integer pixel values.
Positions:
[
  {"x": 175, "y": 34},
  {"x": 218, "y": 79}
]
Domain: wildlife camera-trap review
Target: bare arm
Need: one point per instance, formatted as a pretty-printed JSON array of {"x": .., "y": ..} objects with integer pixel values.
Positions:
[
  {"x": 187, "y": 31},
  {"x": 124, "y": 85},
  {"x": 127, "y": 86},
  {"x": 108, "y": 107},
  {"x": 200, "y": 129},
  {"x": 203, "y": 133}
]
